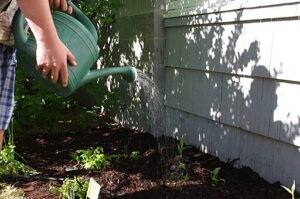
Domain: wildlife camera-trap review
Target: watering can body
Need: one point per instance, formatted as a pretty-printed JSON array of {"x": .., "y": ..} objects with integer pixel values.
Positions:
[{"x": 80, "y": 36}]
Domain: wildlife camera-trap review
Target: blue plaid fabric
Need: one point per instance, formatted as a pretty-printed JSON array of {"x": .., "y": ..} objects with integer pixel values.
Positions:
[{"x": 7, "y": 83}]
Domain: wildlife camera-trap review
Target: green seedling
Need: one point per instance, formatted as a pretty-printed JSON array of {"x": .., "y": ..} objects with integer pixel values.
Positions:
[
  {"x": 135, "y": 155},
  {"x": 92, "y": 158},
  {"x": 95, "y": 158},
  {"x": 8, "y": 164},
  {"x": 10, "y": 192},
  {"x": 215, "y": 177},
  {"x": 291, "y": 190},
  {"x": 178, "y": 171},
  {"x": 70, "y": 189},
  {"x": 182, "y": 172},
  {"x": 180, "y": 146}
]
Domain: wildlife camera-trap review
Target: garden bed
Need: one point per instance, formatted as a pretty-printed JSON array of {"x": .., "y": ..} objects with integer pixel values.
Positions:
[{"x": 155, "y": 174}]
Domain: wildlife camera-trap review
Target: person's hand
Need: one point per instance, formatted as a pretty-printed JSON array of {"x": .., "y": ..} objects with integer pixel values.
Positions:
[
  {"x": 51, "y": 54},
  {"x": 52, "y": 57},
  {"x": 61, "y": 5}
]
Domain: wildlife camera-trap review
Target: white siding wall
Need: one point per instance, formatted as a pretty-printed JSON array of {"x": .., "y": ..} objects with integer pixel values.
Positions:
[{"x": 233, "y": 81}]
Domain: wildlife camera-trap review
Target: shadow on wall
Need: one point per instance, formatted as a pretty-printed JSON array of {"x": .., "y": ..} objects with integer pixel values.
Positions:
[{"x": 216, "y": 74}]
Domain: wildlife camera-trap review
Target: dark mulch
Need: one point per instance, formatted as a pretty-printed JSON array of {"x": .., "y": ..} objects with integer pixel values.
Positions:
[{"x": 154, "y": 175}]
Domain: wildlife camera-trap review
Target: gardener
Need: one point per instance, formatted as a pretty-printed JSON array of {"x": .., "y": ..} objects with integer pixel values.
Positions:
[{"x": 51, "y": 55}]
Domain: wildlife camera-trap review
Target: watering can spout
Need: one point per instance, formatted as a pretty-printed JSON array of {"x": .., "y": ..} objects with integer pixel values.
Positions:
[{"x": 128, "y": 73}]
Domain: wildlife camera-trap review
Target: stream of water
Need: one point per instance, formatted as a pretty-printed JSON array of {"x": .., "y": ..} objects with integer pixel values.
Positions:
[
  {"x": 153, "y": 102},
  {"x": 155, "y": 111}
]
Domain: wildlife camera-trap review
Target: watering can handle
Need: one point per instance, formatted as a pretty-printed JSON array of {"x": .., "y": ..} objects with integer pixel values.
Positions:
[
  {"x": 78, "y": 14},
  {"x": 21, "y": 37}
]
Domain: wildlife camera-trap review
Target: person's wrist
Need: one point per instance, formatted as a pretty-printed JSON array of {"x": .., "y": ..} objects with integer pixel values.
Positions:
[{"x": 47, "y": 41}]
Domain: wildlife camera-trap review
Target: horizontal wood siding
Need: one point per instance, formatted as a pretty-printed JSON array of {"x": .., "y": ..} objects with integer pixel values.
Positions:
[
  {"x": 271, "y": 159},
  {"x": 177, "y": 8},
  {"x": 232, "y": 84}
]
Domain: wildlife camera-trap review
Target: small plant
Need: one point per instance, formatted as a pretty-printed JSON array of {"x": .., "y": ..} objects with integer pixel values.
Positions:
[
  {"x": 178, "y": 170},
  {"x": 291, "y": 190},
  {"x": 135, "y": 155},
  {"x": 8, "y": 164},
  {"x": 180, "y": 173},
  {"x": 70, "y": 189},
  {"x": 10, "y": 192},
  {"x": 215, "y": 177},
  {"x": 183, "y": 171},
  {"x": 92, "y": 158},
  {"x": 180, "y": 146}
]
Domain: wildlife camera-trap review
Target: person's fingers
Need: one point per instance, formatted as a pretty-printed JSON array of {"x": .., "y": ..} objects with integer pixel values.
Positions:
[
  {"x": 70, "y": 10},
  {"x": 64, "y": 76},
  {"x": 54, "y": 75},
  {"x": 56, "y": 3},
  {"x": 63, "y": 5},
  {"x": 40, "y": 63},
  {"x": 38, "y": 66},
  {"x": 51, "y": 2},
  {"x": 45, "y": 71},
  {"x": 71, "y": 58}
]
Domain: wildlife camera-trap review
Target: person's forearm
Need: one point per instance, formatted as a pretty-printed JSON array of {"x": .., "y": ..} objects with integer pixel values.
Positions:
[
  {"x": 52, "y": 55},
  {"x": 38, "y": 16}
]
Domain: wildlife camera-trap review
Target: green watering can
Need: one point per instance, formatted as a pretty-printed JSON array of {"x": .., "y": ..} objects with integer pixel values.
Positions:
[{"x": 79, "y": 34}]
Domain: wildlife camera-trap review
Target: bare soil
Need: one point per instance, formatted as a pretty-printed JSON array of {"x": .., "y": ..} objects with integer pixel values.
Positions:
[{"x": 156, "y": 174}]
